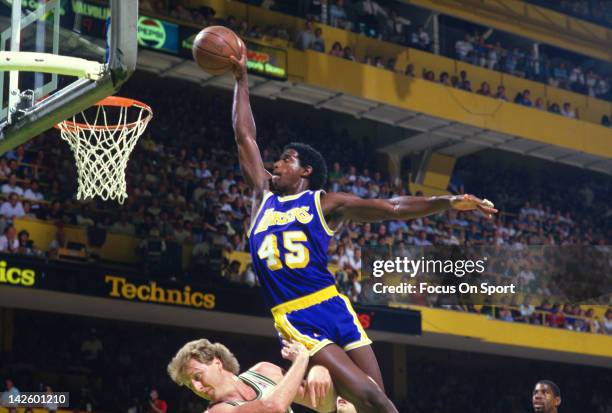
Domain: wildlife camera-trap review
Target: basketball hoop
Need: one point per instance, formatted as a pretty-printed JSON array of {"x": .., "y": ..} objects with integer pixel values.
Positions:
[{"x": 102, "y": 140}]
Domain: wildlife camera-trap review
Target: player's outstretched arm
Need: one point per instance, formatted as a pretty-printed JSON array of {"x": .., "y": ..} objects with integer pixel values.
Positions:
[
  {"x": 342, "y": 206},
  {"x": 251, "y": 164},
  {"x": 280, "y": 397}
]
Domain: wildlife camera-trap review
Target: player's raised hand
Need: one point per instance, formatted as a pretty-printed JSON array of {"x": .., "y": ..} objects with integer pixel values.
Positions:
[
  {"x": 239, "y": 66},
  {"x": 318, "y": 384},
  {"x": 292, "y": 350},
  {"x": 470, "y": 202}
]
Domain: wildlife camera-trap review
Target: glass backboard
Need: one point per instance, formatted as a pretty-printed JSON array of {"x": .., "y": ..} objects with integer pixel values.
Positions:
[{"x": 45, "y": 89}]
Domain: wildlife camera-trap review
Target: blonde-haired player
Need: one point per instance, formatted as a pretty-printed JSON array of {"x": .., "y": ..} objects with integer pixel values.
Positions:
[{"x": 211, "y": 371}]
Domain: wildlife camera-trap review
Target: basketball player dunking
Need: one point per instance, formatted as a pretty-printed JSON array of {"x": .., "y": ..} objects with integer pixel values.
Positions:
[{"x": 291, "y": 225}]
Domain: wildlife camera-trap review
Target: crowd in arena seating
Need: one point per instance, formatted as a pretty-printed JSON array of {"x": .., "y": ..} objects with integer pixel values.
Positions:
[
  {"x": 597, "y": 11},
  {"x": 186, "y": 192},
  {"x": 384, "y": 21},
  {"x": 106, "y": 368}
]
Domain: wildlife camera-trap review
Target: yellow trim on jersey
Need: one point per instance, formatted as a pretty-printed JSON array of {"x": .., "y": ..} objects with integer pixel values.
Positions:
[
  {"x": 291, "y": 197},
  {"x": 327, "y": 229},
  {"x": 267, "y": 195},
  {"x": 287, "y": 330},
  {"x": 357, "y": 344},
  {"x": 305, "y": 301},
  {"x": 349, "y": 306}
]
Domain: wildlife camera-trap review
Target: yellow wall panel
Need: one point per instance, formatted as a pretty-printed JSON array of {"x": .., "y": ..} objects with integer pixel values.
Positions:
[
  {"x": 439, "y": 169},
  {"x": 120, "y": 248},
  {"x": 431, "y": 98},
  {"x": 516, "y": 334}
]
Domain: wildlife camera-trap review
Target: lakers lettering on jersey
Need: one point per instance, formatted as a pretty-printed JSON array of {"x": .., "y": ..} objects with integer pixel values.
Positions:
[{"x": 288, "y": 239}]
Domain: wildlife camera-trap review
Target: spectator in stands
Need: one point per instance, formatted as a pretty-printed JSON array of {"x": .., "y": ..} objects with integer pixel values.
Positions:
[
  {"x": 567, "y": 111},
  {"x": 420, "y": 39},
  {"x": 26, "y": 246},
  {"x": 123, "y": 226},
  {"x": 9, "y": 243},
  {"x": 58, "y": 242},
  {"x": 539, "y": 104},
  {"x": 409, "y": 70},
  {"x": 51, "y": 406},
  {"x": 12, "y": 208},
  {"x": 444, "y": 79},
  {"x": 338, "y": 16},
  {"x": 554, "y": 108},
  {"x": 501, "y": 93},
  {"x": 463, "y": 48},
  {"x": 605, "y": 121},
  {"x": 11, "y": 186},
  {"x": 56, "y": 213},
  {"x": 28, "y": 213},
  {"x": 526, "y": 98},
  {"x": 559, "y": 76},
  {"x": 606, "y": 323},
  {"x": 306, "y": 37},
  {"x": 157, "y": 405},
  {"x": 10, "y": 392},
  {"x": 485, "y": 89},
  {"x": 429, "y": 75},
  {"x": 348, "y": 53},
  {"x": 494, "y": 55},
  {"x": 336, "y": 50},
  {"x": 32, "y": 191},
  {"x": 370, "y": 16},
  {"x": 318, "y": 44},
  {"x": 396, "y": 28},
  {"x": 466, "y": 85}
]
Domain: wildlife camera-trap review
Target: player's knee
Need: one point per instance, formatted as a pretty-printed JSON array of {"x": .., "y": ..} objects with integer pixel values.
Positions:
[{"x": 372, "y": 395}]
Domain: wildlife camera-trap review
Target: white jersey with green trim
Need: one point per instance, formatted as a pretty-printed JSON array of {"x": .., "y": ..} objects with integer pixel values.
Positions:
[{"x": 261, "y": 384}]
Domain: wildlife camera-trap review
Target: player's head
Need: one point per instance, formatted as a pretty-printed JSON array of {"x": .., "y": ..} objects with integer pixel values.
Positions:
[
  {"x": 546, "y": 397},
  {"x": 203, "y": 367},
  {"x": 297, "y": 163},
  {"x": 343, "y": 406}
]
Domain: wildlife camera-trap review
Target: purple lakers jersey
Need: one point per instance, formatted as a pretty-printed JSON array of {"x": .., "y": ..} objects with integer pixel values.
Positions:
[{"x": 288, "y": 239}]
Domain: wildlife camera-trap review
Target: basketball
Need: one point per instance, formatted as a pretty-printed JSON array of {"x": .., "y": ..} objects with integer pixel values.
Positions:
[{"x": 212, "y": 48}]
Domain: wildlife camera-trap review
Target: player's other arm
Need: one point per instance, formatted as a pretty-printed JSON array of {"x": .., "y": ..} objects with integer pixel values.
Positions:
[
  {"x": 343, "y": 206},
  {"x": 245, "y": 133},
  {"x": 316, "y": 392},
  {"x": 280, "y": 397}
]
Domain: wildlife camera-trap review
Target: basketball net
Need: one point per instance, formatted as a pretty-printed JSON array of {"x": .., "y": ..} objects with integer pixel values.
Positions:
[{"x": 102, "y": 146}]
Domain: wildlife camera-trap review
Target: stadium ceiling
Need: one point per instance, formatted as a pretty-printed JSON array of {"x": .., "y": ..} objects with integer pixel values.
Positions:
[{"x": 431, "y": 133}]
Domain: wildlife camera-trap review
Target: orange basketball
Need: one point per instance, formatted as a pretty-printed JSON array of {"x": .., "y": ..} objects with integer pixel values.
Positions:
[{"x": 212, "y": 48}]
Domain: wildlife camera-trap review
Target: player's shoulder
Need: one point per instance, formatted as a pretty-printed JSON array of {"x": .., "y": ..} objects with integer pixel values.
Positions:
[{"x": 269, "y": 370}]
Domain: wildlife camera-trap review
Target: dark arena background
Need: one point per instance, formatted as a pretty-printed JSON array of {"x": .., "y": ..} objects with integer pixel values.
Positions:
[{"x": 507, "y": 100}]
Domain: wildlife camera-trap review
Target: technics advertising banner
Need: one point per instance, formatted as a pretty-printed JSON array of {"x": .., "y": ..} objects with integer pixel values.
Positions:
[{"x": 92, "y": 280}]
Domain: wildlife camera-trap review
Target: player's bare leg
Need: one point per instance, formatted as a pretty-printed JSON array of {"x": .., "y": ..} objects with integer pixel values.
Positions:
[
  {"x": 365, "y": 359},
  {"x": 352, "y": 383}
]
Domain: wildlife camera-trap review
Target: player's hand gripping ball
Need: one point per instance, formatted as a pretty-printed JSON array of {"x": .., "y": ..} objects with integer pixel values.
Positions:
[{"x": 212, "y": 48}]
